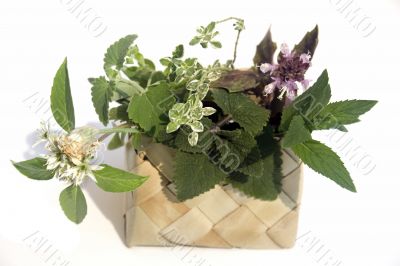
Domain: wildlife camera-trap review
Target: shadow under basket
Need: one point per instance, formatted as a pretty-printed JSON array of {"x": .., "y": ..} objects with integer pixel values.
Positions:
[{"x": 220, "y": 218}]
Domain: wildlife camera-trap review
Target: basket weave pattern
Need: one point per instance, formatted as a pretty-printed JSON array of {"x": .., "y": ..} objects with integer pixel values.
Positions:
[{"x": 222, "y": 217}]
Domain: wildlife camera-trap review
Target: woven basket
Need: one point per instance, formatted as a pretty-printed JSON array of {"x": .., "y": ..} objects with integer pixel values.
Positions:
[{"x": 222, "y": 217}]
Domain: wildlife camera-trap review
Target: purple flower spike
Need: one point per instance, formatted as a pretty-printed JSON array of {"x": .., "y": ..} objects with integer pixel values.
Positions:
[{"x": 288, "y": 73}]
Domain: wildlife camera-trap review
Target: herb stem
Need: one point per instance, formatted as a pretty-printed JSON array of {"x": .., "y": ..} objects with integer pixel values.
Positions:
[
  {"x": 221, "y": 123},
  {"x": 107, "y": 134},
  {"x": 235, "y": 49},
  {"x": 226, "y": 19}
]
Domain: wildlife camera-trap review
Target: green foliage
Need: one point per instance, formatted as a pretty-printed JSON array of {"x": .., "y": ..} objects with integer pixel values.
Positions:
[
  {"x": 34, "y": 169},
  {"x": 205, "y": 36},
  {"x": 215, "y": 117},
  {"x": 323, "y": 160},
  {"x": 252, "y": 165},
  {"x": 244, "y": 111},
  {"x": 114, "y": 58},
  {"x": 101, "y": 95},
  {"x": 205, "y": 138},
  {"x": 310, "y": 103},
  {"x": 265, "y": 50},
  {"x": 341, "y": 113},
  {"x": 149, "y": 110},
  {"x": 231, "y": 148},
  {"x": 112, "y": 179},
  {"x": 297, "y": 133},
  {"x": 267, "y": 184},
  {"x": 73, "y": 203},
  {"x": 179, "y": 51},
  {"x": 62, "y": 106},
  {"x": 194, "y": 175}
]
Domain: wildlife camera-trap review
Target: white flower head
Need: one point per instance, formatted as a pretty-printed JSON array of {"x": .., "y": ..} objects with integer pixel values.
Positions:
[{"x": 71, "y": 155}]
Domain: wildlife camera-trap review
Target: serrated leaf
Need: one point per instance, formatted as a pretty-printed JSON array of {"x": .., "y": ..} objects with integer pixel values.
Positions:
[
  {"x": 266, "y": 186},
  {"x": 112, "y": 179},
  {"x": 323, "y": 160},
  {"x": 34, "y": 169},
  {"x": 237, "y": 80},
  {"x": 115, "y": 55},
  {"x": 244, "y": 111},
  {"x": 101, "y": 95},
  {"x": 265, "y": 50},
  {"x": 310, "y": 103},
  {"x": 150, "y": 109},
  {"x": 73, "y": 203},
  {"x": 252, "y": 165},
  {"x": 232, "y": 147},
  {"x": 194, "y": 175},
  {"x": 297, "y": 133},
  {"x": 62, "y": 106},
  {"x": 309, "y": 43},
  {"x": 341, "y": 113}
]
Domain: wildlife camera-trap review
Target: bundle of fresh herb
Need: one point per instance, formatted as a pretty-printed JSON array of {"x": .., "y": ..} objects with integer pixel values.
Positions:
[{"x": 226, "y": 125}]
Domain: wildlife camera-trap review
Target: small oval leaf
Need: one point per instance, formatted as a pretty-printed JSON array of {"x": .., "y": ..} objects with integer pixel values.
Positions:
[
  {"x": 73, "y": 203},
  {"x": 34, "y": 169}
]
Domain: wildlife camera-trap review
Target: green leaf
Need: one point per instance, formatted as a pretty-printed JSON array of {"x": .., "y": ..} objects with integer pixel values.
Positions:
[
  {"x": 265, "y": 50},
  {"x": 232, "y": 147},
  {"x": 138, "y": 79},
  {"x": 253, "y": 165},
  {"x": 310, "y": 103},
  {"x": 115, "y": 55},
  {"x": 73, "y": 203},
  {"x": 116, "y": 142},
  {"x": 172, "y": 127},
  {"x": 34, "y": 169},
  {"x": 244, "y": 111},
  {"x": 150, "y": 109},
  {"x": 119, "y": 113},
  {"x": 128, "y": 88},
  {"x": 194, "y": 175},
  {"x": 309, "y": 43},
  {"x": 112, "y": 179},
  {"x": 341, "y": 113},
  {"x": 136, "y": 141},
  {"x": 195, "y": 40},
  {"x": 323, "y": 160},
  {"x": 178, "y": 53},
  {"x": 101, "y": 95},
  {"x": 266, "y": 186},
  {"x": 210, "y": 27},
  {"x": 216, "y": 44},
  {"x": 61, "y": 99},
  {"x": 205, "y": 138},
  {"x": 297, "y": 133},
  {"x": 236, "y": 80}
]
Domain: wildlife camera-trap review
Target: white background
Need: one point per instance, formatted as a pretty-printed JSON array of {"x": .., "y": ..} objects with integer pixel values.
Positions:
[{"x": 352, "y": 229}]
